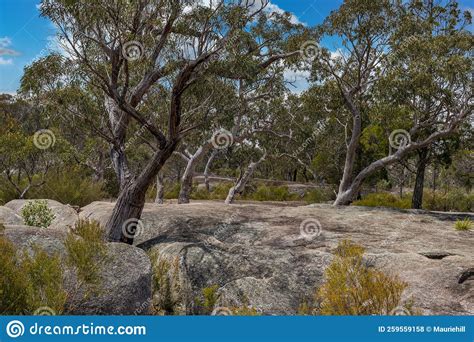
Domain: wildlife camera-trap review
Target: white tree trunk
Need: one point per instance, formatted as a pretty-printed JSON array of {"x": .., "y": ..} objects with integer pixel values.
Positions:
[
  {"x": 242, "y": 182},
  {"x": 187, "y": 178},
  {"x": 160, "y": 189},
  {"x": 207, "y": 169}
]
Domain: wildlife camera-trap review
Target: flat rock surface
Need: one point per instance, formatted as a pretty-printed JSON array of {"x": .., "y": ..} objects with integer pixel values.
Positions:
[{"x": 274, "y": 257}]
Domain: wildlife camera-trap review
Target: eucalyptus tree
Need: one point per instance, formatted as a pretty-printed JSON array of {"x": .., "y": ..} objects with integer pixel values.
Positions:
[
  {"x": 136, "y": 51},
  {"x": 368, "y": 64}
]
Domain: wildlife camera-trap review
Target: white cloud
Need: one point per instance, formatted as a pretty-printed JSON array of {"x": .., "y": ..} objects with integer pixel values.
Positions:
[
  {"x": 298, "y": 80},
  {"x": 6, "y": 61},
  {"x": 5, "y": 50},
  {"x": 272, "y": 8}
]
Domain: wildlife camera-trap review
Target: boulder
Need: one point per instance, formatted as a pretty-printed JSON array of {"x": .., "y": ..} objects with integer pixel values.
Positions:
[
  {"x": 125, "y": 276},
  {"x": 8, "y": 216},
  {"x": 273, "y": 257},
  {"x": 65, "y": 215}
]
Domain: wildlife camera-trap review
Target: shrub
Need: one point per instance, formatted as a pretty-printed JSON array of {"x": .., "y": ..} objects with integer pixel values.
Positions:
[
  {"x": 173, "y": 193},
  {"x": 72, "y": 186},
  {"x": 37, "y": 214},
  {"x": 465, "y": 224},
  {"x": 272, "y": 193},
  {"x": 209, "y": 297},
  {"x": 319, "y": 195},
  {"x": 221, "y": 190},
  {"x": 87, "y": 253},
  {"x": 454, "y": 200},
  {"x": 28, "y": 282},
  {"x": 167, "y": 296},
  {"x": 384, "y": 200},
  {"x": 352, "y": 288}
]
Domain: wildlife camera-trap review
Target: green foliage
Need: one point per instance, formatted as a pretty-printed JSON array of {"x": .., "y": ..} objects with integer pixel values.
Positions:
[
  {"x": 319, "y": 195},
  {"x": 245, "y": 310},
  {"x": 272, "y": 193},
  {"x": 352, "y": 288},
  {"x": 173, "y": 193},
  {"x": 208, "y": 300},
  {"x": 37, "y": 214},
  {"x": 383, "y": 199},
  {"x": 167, "y": 294},
  {"x": 453, "y": 200},
  {"x": 465, "y": 224},
  {"x": 73, "y": 186},
  {"x": 28, "y": 282},
  {"x": 87, "y": 253}
]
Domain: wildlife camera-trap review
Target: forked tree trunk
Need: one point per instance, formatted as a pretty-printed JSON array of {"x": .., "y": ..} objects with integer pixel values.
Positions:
[
  {"x": 131, "y": 200},
  {"x": 239, "y": 186},
  {"x": 207, "y": 169},
  {"x": 417, "y": 199},
  {"x": 160, "y": 189}
]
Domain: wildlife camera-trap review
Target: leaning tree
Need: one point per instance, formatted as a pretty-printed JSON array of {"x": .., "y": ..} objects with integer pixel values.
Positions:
[
  {"x": 374, "y": 58},
  {"x": 136, "y": 52}
]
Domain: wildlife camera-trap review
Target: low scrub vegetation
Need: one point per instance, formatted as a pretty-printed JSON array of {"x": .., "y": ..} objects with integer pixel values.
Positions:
[
  {"x": 352, "y": 288},
  {"x": 87, "y": 253},
  {"x": 465, "y": 224},
  {"x": 454, "y": 200},
  {"x": 29, "y": 281},
  {"x": 37, "y": 214}
]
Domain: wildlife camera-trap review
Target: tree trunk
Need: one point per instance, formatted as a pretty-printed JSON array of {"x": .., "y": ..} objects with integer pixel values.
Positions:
[
  {"x": 207, "y": 169},
  {"x": 160, "y": 189},
  {"x": 242, "y": 182},
  {"x": 417, "y": 199},
  {"x": 118, "y": 121},
  {"x": 125, "y": 222},
  {"x": 351, "y": 155},
  {"x": 187, "y": 178}
]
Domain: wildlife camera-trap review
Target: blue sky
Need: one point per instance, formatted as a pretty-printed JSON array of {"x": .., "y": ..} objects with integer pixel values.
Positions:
[{"x": 25, "y": 36}]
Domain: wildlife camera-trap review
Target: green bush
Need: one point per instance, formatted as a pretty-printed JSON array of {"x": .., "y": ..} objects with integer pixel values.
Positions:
[
  {"x": 71, "y": 186},
  {"x": 87, "y": 253},
  {"x": 384, "y": 200},
  {"x": 207, "y": 302},
  {"x": 453, "y": 200},
  {"x": 465, "y": 224},
  {"x": 29, "y": 282},
  {"x": 272, "y": 193},
  {"x": 167, "y": 295},
  {"x": 319, "y": 195},
  {"x": 352, "y": 288},
  {"x": 173, "y": 192},
  {"x": 37, "y": 214}
]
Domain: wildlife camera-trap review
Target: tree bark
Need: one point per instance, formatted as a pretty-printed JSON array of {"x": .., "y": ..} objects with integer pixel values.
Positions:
[
  {"x": 207, "y": 169},
  {"x": 417, "y": 198},
  {"x": 242, "y": 181},
  {"x": 131, "y": 200},
  {"x": 187, "y": 178},
  {"x": 160, "y": 189},
  {"x": 118, "y": 121},
  {"x": 351, "y": 153}
]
